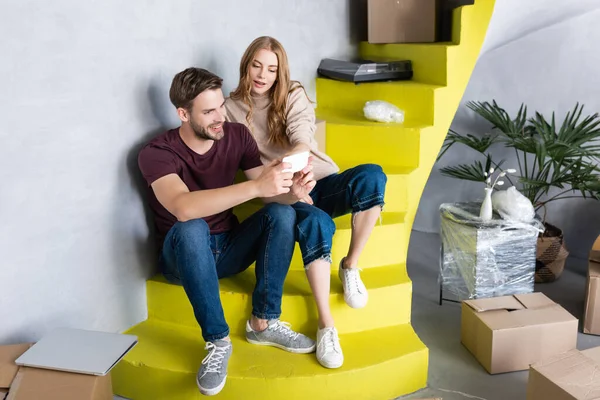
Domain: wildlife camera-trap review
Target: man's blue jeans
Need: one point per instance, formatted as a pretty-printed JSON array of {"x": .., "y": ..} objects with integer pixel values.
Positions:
[
  {"x": 191, "y": 256},
  {"x": 352, "y": 191}
]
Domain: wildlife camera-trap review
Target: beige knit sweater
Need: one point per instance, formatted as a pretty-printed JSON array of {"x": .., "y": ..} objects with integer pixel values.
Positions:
[{"x": 300, "y": 128}]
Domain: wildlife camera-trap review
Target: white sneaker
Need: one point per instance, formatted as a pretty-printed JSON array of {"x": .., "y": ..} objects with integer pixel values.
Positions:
[
  {"x": 329, "y": 352},
  {"x": 355, "y": 292}
]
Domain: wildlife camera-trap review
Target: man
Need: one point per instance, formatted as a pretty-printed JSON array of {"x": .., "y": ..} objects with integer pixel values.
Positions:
[{"x": 191, "y": 172}]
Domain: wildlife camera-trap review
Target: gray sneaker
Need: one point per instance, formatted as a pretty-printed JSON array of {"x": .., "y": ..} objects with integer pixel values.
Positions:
[
  {"x": 280, "y": 335},
  {"x": 213, "y": 371}
]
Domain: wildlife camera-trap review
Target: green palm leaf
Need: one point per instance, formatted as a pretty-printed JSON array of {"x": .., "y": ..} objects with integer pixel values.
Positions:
[
  {"x": 471, "y": 172},
  {"x": 565, "y": 157},
  {"x": 499, "y": 118},
  {"x": 479, "y": 144}
]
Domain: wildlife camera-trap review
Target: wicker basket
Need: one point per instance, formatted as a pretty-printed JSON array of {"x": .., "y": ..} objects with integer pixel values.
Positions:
[{"x": 551, "y": 255}]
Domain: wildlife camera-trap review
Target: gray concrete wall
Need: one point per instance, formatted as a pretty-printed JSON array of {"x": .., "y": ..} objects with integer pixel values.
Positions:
[{"x": 82, "y": 85}]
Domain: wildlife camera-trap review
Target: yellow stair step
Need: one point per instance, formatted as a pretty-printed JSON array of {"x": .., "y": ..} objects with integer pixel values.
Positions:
[
  {"x": 396, "y": 191},
  {"x": 357, "y": 118},
  {"x": 390, "y": 145},
  {"x": 381, "y": 248},
  {"x": 379, "y": 364},
  {"x": 432, "y": 62},
  {"x": 389, "y": 287},
  {"x": 429, "y": 60},
  {"x": 414, "y": 98}
]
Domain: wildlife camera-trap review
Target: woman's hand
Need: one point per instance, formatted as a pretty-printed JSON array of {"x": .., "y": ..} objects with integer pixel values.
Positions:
[
  {"x": 303, "y": 183},
  {"x": 300, "y": 190},
  {"x": 307, "y": 200}
]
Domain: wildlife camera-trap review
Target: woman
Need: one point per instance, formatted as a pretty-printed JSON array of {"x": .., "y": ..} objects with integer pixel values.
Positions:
[{"x": 282, "y": 120}]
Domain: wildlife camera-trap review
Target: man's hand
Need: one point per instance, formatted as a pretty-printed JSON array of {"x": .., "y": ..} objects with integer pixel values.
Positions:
[{"x": 273, "y": 181}]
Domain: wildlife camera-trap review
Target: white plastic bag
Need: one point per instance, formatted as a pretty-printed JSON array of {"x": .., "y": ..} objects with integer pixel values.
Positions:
[
  {"x": 512, "y": 205},
  {"x": 382, "y": 111}
]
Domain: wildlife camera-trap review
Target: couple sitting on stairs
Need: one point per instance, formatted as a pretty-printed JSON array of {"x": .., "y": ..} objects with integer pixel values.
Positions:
[{"x": 191, "y": 172}]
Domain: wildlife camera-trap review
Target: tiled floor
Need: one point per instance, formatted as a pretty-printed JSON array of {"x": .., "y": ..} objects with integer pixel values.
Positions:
[{"x": 454, "y": 374}]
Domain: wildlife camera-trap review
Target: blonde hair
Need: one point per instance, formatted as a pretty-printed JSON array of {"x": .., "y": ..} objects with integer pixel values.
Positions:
[{"x": 282, "y": 87}]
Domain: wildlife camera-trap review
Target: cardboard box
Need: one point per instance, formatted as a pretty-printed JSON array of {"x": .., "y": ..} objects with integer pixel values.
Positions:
[
  {"x": 8, "y": 368},
  {"x": 591, "y": 314},
  {"x": 22, "y": 383},
  {"x": 34, "y": 384},
  {"x": 511, "y": 332},
  {"x": 568, "y": 376},
  {"x": 402, "y": 21}
]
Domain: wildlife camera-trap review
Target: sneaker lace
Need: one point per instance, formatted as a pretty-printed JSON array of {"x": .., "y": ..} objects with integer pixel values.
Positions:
[
  {"x": 215, "y": 357},
  {"x": 329, "y": 340},
  {"x": 286, "y": 329},
  {"x": 352, "y": 277}
]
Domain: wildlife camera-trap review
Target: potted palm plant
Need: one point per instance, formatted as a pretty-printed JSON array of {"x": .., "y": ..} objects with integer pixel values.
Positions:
[{"x": 554, "y": 163}]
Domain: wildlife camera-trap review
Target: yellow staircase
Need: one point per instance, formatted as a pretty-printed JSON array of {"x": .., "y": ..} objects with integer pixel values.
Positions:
[{"x": 384, "y": 358}]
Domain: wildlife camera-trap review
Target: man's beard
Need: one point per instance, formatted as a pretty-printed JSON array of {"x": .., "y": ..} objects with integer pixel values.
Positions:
[{"x": 203, "y": 133}]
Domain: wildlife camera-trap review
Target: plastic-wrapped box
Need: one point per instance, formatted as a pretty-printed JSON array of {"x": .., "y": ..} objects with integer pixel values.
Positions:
[{"x": 485, "y": 258}]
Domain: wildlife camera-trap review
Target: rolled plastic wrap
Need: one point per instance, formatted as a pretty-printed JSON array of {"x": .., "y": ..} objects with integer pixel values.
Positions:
[{"x": 382, "y": 111}]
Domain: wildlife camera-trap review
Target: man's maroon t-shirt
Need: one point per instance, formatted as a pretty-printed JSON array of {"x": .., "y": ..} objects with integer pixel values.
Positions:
[{"x": 168, "y": 154}]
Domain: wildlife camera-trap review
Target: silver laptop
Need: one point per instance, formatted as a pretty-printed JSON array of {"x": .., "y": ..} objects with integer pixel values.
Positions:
[{"x": 79, "y": 351}]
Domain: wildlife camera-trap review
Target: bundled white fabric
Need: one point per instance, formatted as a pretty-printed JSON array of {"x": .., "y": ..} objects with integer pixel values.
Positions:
[
  {"x": 382, "y": 111},
  {"x": 512, "y": 205}
]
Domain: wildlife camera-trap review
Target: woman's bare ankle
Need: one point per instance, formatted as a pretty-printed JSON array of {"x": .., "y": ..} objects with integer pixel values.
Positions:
[
  {"x": 326, "y": 323},
  {"x": 348, "y": 263}
]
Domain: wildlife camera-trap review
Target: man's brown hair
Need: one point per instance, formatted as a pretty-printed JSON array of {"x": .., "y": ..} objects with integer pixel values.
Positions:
[{"x": 189, "y": 83}]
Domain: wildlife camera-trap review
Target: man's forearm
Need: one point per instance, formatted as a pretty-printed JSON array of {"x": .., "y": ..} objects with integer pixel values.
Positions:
[{"x": 204, "y": 203}]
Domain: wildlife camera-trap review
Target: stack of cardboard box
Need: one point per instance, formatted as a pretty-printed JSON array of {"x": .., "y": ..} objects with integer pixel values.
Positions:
[
  {"x": 65, "y": 364},
  {"x": 531, "y": 332},
  {"x": 24, "y": 383},
  {"x": 591, "y": 316}
]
